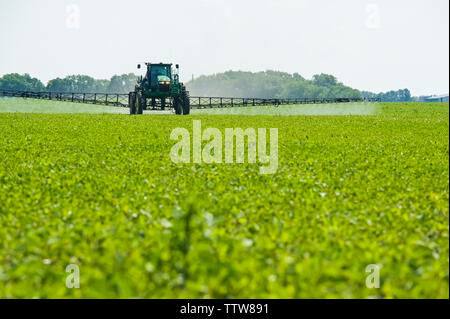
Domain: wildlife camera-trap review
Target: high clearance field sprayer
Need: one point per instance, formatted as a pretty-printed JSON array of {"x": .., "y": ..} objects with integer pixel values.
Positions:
[{"x": 159, "y": 87}]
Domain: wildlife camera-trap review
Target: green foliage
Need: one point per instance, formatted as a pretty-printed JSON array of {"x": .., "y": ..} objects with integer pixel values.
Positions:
[
  {"x": 122, "y": 83},
  {"x": 324, "y": 80},
  {"x": 391, "y": 96},
  {"x": 100, "y": 191},
  {"x": 73, "y": 83},
  {"x": 85, "y": 84},
  {"x": 17, "y": 82},
  {"x": 270, "y": 84}
]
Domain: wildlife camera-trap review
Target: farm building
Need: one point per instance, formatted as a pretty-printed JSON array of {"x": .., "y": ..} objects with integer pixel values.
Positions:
[{"x": 435, "y": 98}]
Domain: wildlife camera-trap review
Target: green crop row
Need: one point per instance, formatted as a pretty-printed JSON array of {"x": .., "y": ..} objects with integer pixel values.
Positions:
[{"x": 100, "y": 192}]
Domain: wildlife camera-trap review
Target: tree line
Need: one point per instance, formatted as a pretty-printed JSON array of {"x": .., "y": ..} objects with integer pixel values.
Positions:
[
  {"x": 266, "y": 84},
  {"x": 391, "y": 96},
  {"x": 270, "y": 84},
  {"x": 73, "y": 83}
]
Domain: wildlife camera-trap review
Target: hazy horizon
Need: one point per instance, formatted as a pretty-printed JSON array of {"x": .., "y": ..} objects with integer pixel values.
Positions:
[{"x": 372, "y": 45}]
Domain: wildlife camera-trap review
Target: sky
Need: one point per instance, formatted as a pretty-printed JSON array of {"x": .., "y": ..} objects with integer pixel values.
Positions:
[{"x": 373, "y": 45}]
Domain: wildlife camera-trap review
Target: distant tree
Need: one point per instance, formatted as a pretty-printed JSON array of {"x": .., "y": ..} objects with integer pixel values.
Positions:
[
  {"x": 297, "y": 76},
  {"x": 101, "y": 86},
  {"x": 58, "y": 85},
  {"x": 325, "y": 80},
  {"x": 122, "y": 83},
  {"x": 405, "y": 95},
  {"x": 294, "y": 89},
  {"x": 390, "y": 96},
  {"x": 78, "y": 84},
  {"x": 367, "y": 94},
  {"x": 17, "y": 82},
  {"x": 81, "y": 83},
  {"x": 270, "y": 84}
]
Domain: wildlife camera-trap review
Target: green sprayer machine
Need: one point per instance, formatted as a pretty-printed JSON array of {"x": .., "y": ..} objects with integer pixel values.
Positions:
[{"x": 158, "y": 89}]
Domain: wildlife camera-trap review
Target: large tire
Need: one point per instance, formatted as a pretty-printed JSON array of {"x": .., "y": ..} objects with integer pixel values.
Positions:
[
  {"x": 177, "y": 105},
  {"x": 186, "y": 103},
  {"x": 132, "y": 102},
  {"x": 139, "y": 103}
]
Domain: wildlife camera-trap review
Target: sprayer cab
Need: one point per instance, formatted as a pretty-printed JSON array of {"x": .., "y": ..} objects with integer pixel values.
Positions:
[{"x": 158, "y": 76}]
